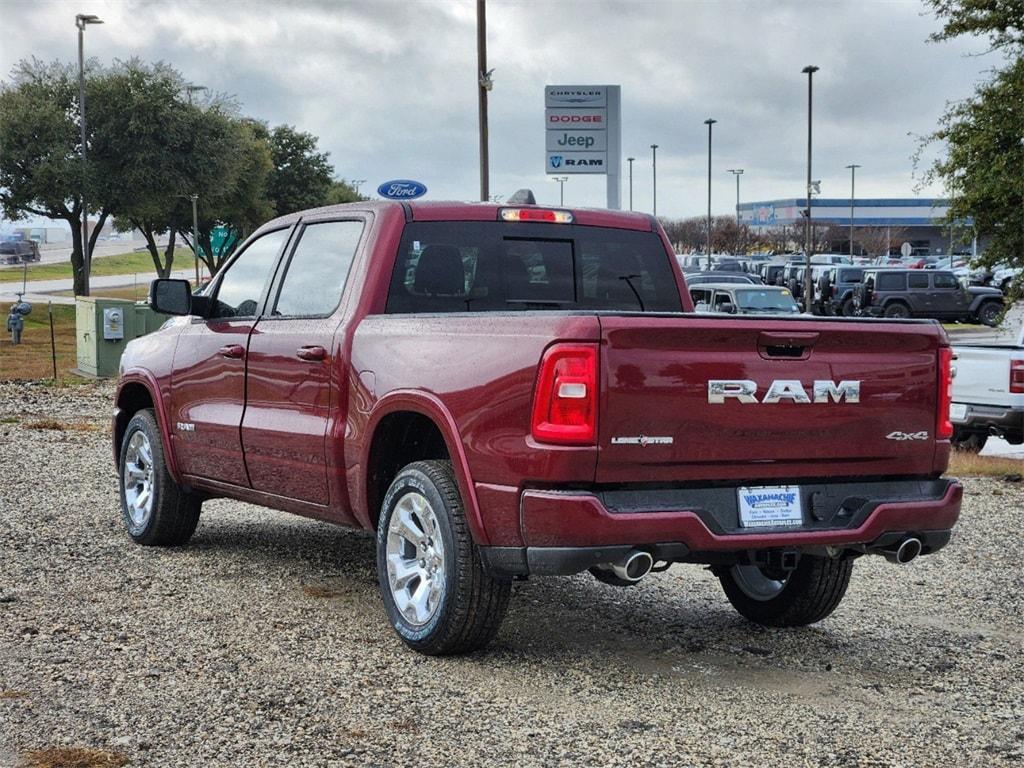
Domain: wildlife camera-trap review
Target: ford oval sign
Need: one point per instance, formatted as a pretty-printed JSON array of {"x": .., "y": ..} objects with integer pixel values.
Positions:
[{"x": 401, "y": 189}]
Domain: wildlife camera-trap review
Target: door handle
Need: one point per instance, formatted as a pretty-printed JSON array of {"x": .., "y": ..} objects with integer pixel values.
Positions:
[
  {"x": 232, "y": 351},
  {"x": 312, "y": 353}
]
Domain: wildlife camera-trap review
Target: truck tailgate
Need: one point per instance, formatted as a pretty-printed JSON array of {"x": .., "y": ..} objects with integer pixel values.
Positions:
[
  {"x": 655, "y": 411},
  {"x": 983, "y": 375}
]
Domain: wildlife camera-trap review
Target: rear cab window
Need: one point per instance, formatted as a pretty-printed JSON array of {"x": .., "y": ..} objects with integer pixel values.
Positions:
[{"x": 471, "y": 266}]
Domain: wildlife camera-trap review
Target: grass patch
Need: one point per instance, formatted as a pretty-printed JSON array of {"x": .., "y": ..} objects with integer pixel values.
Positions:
[
  {"x": 966, "y": 327},
  {"x": 63, "y": 426},
  {"x": 13, "y": 694},
  {"x": 10, "y": 420},
  {"x": 74, "y": 757},
  {"x": 119, "y": 264},
  {"x": 137, "y": 292},
  {"x": 968, "y": 464},
  {"x": 31, "y": 358}
]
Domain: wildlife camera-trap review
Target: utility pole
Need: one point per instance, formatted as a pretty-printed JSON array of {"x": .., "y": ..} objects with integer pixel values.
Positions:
[
  {"x": 561, "y": 187},
  {"x": 630, "y": 161},
  {"x": 709, "y": 122},
  {"x": 81, "y": 21},
  {"x": 484, "y": 84},
  {"x": 808, "y": 230},
  {"x": 195, "y": 234},
  {"x": 654, "y": 176},
  {"x": 853, "y": 173}
]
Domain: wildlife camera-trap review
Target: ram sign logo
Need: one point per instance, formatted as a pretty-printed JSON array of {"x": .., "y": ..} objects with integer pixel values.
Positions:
[{"x": 791, "y": 390}]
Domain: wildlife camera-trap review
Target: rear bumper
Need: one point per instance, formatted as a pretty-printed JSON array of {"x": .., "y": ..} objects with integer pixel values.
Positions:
[
  {"x": 567, "y": 532},
  {"x": 992, "y": 419}
]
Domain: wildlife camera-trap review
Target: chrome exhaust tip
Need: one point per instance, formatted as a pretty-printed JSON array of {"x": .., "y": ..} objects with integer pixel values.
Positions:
[
  {"x": 634, "y": 566},
  {"x": 907, "y": 551}
]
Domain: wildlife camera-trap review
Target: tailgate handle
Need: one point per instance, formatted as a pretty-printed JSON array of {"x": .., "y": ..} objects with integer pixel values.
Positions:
[
  {"x": 780, "y": 344},
  {"x": 232, "y": 351}
]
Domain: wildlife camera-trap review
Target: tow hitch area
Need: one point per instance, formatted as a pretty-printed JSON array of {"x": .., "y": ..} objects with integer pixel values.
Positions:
[{"x": 776, "y": 561}]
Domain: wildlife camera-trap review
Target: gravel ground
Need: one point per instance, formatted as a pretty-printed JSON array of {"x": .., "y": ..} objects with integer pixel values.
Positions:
[{"x": 264, "y": 643}]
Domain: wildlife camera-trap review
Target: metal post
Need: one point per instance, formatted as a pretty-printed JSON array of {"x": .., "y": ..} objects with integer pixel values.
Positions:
[
  {"x": 53, "y": 341},
  {"x": 195, "y": 234},
  {"x": 654, "y": 176},
  {"x": 483, "y": 86},
  {"x": 709, "y": 122},
  {"x": 808, "y": 231},
  {"x": 853, "y": 173},
  {"x": 630, "y": 161},
  {"x": 737, "y": 172},
  {"x": 81, "y": 20}
]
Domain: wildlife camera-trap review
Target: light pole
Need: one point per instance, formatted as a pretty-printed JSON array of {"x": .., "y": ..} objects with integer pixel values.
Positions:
[
  {"x": 737, "y": 172},
  {"x": 808, "y": 245},
  {"x": 853, "y": 173},
  {"x": 81, "y": 21},
  {"x": 484, "y": 85},
  {"x": 709, "y": 122},
  {"x": 561, "y": 187},
  {"x": 630, "y": 161},
  {"x": 195, "y": 233},
  {"x": 191, "y": 88},
  {"x": 654, "y": 176},
  {"x": 356, "y": 184}
]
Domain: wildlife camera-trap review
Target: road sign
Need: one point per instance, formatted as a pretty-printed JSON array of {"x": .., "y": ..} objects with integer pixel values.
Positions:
[{"x": 582, "y": 133}]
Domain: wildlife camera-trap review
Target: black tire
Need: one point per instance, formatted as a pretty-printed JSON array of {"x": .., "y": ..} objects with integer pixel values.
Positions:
[
  {"x": 606, "y": 576},
  {"x": 810, "y": 593},
  {"x": 897, "y": 311},
  {"x": 472, "y": 603},
  {"x": 848, "y": 308},
  {"x": 173, "y": 513},
  {"x": 989, "y": 313},
  {"x": 970, "y": 443}
]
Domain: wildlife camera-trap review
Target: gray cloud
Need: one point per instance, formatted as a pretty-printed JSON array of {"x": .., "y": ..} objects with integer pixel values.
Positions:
[{"x": 390, "y": 86}]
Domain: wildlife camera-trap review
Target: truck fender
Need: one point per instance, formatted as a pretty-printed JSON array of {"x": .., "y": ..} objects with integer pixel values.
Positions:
[
  {"x": 979, "y": 300},
  {"x": 428, "y": 405},
  {"x": 146, "y": 379}
]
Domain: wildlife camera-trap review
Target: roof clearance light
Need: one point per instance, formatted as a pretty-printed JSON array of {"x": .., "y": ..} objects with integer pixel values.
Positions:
[{"x": 536, "y": 214}]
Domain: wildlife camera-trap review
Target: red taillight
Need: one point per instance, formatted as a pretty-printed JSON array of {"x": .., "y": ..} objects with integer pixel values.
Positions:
[
  {"x": 565, "y": 402},
  {"x": 943, "y": 426},
  {"x": 1017, "y": 377}
]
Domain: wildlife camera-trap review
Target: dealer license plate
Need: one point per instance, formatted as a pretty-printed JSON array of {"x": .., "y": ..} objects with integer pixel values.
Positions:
[
  {"x": 958, "y": 412},
  {"x": 770, "y": 506}
]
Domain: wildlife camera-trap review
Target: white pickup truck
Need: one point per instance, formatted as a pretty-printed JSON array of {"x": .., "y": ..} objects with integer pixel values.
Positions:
[{"x": 988, "y": 390}]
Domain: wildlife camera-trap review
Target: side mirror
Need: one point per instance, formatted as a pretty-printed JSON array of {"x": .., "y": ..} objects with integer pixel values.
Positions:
[
  {"x": 171, "y": 297},
  {"x": 729, "y": 309}
]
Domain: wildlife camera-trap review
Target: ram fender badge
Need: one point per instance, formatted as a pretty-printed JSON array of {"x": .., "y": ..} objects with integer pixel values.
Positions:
[{"x": 186, "y": 426}]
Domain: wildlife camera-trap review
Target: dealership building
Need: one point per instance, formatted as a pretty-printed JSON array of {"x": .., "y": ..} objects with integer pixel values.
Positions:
[{"x": 892, "y": 220}]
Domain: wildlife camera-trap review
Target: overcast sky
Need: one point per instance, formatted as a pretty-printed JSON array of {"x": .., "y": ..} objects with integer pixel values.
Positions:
[{"x": 390, "y": 87}]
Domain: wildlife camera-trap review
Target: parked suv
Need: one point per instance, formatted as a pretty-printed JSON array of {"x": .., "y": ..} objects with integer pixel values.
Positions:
[
  {"x": 733, "y": 299},
  {"x": 900, "y": 293},
  {"x": 837, "y": 286},
  {"x": 511, "y": 391}
]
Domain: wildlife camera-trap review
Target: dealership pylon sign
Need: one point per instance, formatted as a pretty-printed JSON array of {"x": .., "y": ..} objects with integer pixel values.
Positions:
[{"x": 582, "y": 133}]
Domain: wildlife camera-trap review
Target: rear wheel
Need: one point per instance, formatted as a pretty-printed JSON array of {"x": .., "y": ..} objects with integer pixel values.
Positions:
[
  {"x": 157, "y": 512},
  {"x": 848, "y": 308},
  {"x": 802, "y": 596},
  {"x": 437, "y": 594},
  {"x": 897, "y": 311},
  {"x": 989, "y": 313}
]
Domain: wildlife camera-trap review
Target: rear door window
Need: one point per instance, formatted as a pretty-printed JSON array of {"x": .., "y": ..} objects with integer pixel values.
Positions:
[
  {"x": 318, "y": 269},
  {"x": 508, "y": 266},
  {"x": 916, "y": 280},
  {"x": 946, "y": 281}
]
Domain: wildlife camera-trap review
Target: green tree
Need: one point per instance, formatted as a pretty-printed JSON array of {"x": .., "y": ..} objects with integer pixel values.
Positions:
[
  {"x": 40, "y": 163},
  {"x": 341, "y": 191},
  {"x": 302, "y": 176},
  {"x": 982, "y": 166}
]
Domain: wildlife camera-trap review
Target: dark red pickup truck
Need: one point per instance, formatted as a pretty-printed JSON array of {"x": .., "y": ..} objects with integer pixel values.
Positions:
[{"x": 502, "y": 392}]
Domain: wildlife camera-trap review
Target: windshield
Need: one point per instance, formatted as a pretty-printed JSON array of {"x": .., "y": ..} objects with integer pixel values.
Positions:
[{"x": 753, "y": 300}]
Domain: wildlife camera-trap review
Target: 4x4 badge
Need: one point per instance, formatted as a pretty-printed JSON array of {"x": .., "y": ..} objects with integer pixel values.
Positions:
[{"x": 907, "y": 436}]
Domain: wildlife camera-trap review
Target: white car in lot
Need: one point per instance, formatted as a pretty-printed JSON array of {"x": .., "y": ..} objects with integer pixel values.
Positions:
[{"x": 988, "y": 392}]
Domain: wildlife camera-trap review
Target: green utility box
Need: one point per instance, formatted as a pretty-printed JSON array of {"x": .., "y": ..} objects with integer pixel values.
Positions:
[{"x": 104, "y": 327}]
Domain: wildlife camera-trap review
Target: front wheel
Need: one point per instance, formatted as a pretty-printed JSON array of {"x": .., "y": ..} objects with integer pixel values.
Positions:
[
  {"x": 157, "y": 511},
  {"x": 989, "y": 312},
  {"x": 802, "y": 596},
  {"x": 897, "y": 311},
  {"x": 437, "y": 594}
]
